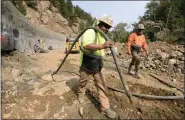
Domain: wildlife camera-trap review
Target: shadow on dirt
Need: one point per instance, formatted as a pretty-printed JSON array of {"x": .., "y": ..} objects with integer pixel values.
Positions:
[
  {"x": 91, "y": 95},
  {"x": 73, "y": 85},
  {"x": 8, "y": 53}
]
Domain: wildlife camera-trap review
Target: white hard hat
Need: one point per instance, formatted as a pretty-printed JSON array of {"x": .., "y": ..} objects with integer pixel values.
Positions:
[
  {"x": 140, "y": 26},
  {"x": 106, "y": 19}
]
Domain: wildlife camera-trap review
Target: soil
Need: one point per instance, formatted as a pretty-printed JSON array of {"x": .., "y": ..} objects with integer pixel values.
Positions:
[{"x": 27, "y": 96}]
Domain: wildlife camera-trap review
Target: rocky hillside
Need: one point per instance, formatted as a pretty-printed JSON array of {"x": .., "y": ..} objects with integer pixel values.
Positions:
[
  {"x": 164, "y": 59},
  {"x": 52, "y": 16},
  {"x": 49, "y": 17}
]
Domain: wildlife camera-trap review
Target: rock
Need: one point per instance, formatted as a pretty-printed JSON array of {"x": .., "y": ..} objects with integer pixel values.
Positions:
[
  {"x": 16, "y": 72},
  {"x": 173, "y": 54},
  {"x": 179, "y": 53},
  {"x": 165, "y": 66},
  {"x": 12, "y": 105},
  {"x": 61, "y": 19},
  {"x": 66, "y": 89},
  {"x": 176, "y": 93},
  {"x": 179, "y": 70},
  {"x": 163, "y": 70},
  {"x": 6, "y": 115},
  {"x": 172, "y": 75},
  {"x": 174, "y": 80},
  {"x": 112, "y": 75},
  {"x": 44, "y": 18},
  {"x": 7, "y": 96},
  {"x": 171, "y": 61},
  {"x": 162, "y": 55},
  {"x": 147, "y": 65},
  {"x": 157, "y": 73},
  {"x": 157, "y": 62},
  {"x": 61, "y": 97},
  {"x": 44, "y": 5},
  {"x": 142, "y": 66},
  {"x": 53, "y": 9},
  {"x": 81, "y": 111},
  {"x": 176, "y": 54},
  {"x": 182, "y": 58},
  {"x": 150, "y": 57},
  {"x": 152, "y": 65}
]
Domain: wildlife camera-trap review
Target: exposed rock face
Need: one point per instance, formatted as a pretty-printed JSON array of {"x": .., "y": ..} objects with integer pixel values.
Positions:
[{"x": 49, "y": 17}]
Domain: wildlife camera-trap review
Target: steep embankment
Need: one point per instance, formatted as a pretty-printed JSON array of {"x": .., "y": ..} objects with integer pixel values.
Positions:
[
  {"x": 49, "y": 17},
  {"x": 25, "y": 33}
]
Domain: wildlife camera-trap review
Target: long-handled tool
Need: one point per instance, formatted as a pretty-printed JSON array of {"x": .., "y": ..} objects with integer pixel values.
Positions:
[{"x": 50, "y": 77}]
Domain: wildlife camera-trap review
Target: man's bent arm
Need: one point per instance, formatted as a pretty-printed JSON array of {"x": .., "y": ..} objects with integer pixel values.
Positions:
[{"x": 94, "y": 47}]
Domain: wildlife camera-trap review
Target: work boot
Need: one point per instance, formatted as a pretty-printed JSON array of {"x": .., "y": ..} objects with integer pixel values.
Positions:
[
  {"x": 129, "y": 69},
  {"x": 137, "y": 75},
  {"x": 109, "y": 113},
  {"x": 81, "y": 98}
]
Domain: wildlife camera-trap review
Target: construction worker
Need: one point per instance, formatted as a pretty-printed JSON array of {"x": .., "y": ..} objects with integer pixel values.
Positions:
[
  {"x": 136, "y": 42},
  {"x": 92, "y": 51}
]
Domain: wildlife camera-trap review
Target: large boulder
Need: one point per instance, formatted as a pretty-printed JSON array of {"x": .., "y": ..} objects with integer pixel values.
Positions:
[{"x": 44, "y": 5}]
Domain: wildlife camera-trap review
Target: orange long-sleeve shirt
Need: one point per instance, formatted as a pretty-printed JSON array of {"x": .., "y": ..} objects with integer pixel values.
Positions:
[{"x": 136, "y": 40}]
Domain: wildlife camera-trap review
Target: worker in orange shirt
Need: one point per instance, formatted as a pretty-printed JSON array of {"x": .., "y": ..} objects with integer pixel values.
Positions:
[{"x": 136, "y": 42}]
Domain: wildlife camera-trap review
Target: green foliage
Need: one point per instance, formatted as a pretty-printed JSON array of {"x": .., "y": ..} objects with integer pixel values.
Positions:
[
  {"x": 69, "y": 6},
  {"x": 66, "y": 9},
  {"x": 78, "y": 11},
  {"x": 63, "y": 9},
  {"x": 73, "y": 19},
  {"x": 89, "y": 19},
  {"x": 32, "y": 4},
  {"x": 72, "y": 13},
  {"x": 119, "y": 34},
  {"x": 55, "y": 3},
  {"x": 19, "y": 5},
  {"x": 82, "y": 26},
  {"x": 171, "y": 14}
]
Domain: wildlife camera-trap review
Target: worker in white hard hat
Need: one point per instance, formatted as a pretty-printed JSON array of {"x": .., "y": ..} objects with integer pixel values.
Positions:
[
  {"x": 91, "y": 64},
  {"x": 136, "y": 41}
]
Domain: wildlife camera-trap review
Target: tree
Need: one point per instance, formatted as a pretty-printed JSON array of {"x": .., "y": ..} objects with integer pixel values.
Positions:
[
  {"x": 81, "y": 26},
  {"x": 119, "y": 33},
  {"x": 63, "y": 9},
  {"x": 73, "y": 19},
  {"x": 19, "y": 5},
  {"x": 55, "y": 3},
  {"x": 151, "y": 10},
  {"x": 171, "y": 14},
  {"x": 32, "y": 4},
  {"x": 69, "y": 8}
]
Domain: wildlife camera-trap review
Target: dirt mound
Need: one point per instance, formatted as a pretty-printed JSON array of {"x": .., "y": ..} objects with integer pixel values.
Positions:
[
  {"x": 164, "y": 59},
  {"x": 165, "y": 47}
]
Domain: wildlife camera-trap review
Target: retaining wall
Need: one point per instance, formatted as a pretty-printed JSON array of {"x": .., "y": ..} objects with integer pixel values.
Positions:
[{"x": 22, "y": 34}]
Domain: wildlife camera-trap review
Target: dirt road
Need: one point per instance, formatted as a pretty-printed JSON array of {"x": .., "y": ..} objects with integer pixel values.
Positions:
[{"x": 26, "y": 96}]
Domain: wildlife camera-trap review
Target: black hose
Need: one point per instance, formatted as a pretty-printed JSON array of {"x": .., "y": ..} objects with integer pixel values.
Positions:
[
  {"x": 148, "y": 96},
  {"x": 120, "y": 73},
  {"x": 113, "y": 54}
]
